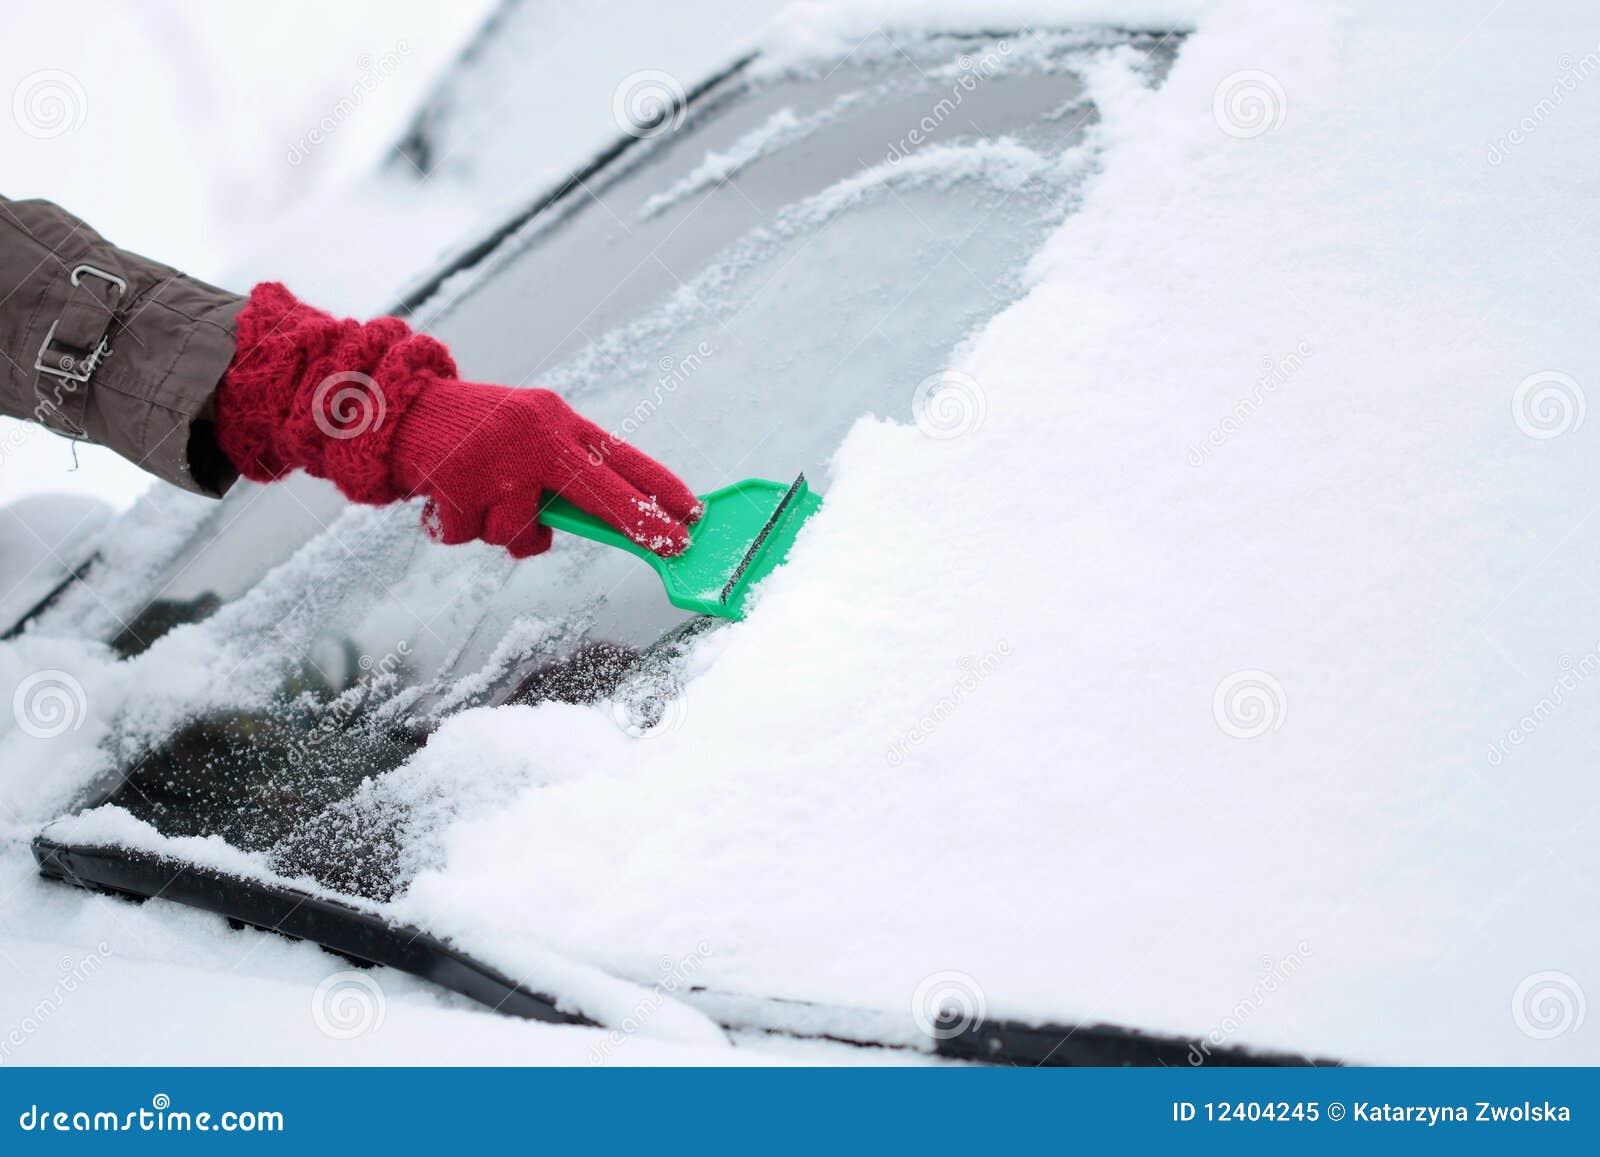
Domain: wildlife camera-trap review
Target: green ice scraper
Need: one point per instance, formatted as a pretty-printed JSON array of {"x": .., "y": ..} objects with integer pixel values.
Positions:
[{"x": 744, "y": 534}]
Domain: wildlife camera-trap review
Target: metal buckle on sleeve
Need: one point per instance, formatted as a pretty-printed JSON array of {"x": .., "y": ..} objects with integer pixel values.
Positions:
[
  {"x": 77, "y": 270},
  {"x": 65, "y": 366}
]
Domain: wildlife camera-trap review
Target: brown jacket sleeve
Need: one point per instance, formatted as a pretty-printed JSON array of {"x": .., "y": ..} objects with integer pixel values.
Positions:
[{"x": 102, "y": 344}]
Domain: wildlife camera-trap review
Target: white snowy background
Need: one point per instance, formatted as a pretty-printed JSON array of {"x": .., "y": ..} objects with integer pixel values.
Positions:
[{"x": 1258, "y": 673}]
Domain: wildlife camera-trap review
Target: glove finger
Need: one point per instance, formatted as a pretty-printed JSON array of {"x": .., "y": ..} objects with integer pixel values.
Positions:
[
  {"x": 534, "y": 540},
  {"x": 509, "y": 522},
  {"x": 643, "y": 471},
  {"x": 451, "y": 524},
  {"x": 603, "y": 493}
]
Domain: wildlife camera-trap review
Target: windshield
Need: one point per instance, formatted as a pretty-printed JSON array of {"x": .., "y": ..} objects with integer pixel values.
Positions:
[{"x": 804, "y": 251}]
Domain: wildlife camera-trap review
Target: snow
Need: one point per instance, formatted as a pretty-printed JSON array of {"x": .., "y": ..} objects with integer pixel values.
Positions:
[
  {"x": 289, "y": 1005},
  {"x": 1114, "y": 727},
  {"x": 781, "y": 128},
  {"x": 1082, "y": 836}
]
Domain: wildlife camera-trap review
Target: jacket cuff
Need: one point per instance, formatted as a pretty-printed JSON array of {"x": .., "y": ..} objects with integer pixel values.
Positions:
[
  {"x": 103, "y": 344},
  {"x": 152, "y": 409}
]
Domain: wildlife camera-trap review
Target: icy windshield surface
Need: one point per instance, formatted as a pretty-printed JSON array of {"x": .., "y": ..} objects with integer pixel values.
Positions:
[
  {"x": 733, "y": 298},
  {"x": 731, "y": 294}
]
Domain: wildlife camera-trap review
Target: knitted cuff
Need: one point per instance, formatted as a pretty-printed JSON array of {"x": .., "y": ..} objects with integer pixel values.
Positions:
[{"x": 308, "y": 391}]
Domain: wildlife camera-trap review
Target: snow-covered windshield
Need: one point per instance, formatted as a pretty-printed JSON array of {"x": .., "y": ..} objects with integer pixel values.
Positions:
[
  {"x": 738, "y": 294},
  {"x": 1232, "y": 675},
  {"x": 732, "y": 294},
  {"x": 802, "y": 248}
]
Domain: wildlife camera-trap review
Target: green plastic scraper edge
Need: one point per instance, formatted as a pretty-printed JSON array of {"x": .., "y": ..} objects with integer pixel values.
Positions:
[{"x": 744, "y": 534}]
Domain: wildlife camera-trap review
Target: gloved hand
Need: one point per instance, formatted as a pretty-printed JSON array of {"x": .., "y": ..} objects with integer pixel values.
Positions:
[{"x": 379, "y": 411}]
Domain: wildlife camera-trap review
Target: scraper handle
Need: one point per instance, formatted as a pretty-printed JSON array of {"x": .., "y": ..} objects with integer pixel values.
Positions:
[{"x": 559, "y": 514}]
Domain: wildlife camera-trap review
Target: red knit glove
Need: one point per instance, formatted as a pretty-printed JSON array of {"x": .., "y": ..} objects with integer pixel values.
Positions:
[{"x": 378, "y": 410}]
